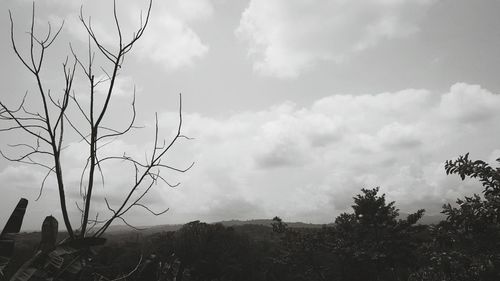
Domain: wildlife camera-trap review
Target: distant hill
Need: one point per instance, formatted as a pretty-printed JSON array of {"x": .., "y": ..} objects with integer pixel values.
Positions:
[
  {"x": 146, "y": 230},
  {"x": 426, "y": 219},
  {"x": 268, "y": 222},
  {"x": 122, "y": 229}
]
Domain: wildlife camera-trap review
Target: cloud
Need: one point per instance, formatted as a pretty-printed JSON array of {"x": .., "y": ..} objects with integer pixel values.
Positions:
[
  {"x": 21, "y": 177},
  {"x": 169, "y": 39},
  {"x": 226, "y": 208},
  {"x": 306, "y": 163},
  {"x": 288, "y": 37},
  {"x": 123, "y": 87},
  {"x": 396, "y": 135},
  {"x": 469, "y": 103}
]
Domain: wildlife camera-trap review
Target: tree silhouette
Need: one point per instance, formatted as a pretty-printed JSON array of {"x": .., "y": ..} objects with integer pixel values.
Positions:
[
  {"x": 466, "y": 246},
  {"x": 50, "y": 123},
  {"x": 375, "y": 239}
]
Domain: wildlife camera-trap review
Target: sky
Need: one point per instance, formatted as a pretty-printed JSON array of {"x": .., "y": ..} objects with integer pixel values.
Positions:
[{"x": 293, "y": 106}]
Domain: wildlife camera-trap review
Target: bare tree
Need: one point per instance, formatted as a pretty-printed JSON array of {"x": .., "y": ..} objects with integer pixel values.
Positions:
[{"x": 48, "y": 125}]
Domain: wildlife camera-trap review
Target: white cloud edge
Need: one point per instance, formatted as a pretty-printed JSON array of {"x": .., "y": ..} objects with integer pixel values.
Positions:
[
  {"x": 399, "y": 142},
  {"x": 287, "y": 38}
]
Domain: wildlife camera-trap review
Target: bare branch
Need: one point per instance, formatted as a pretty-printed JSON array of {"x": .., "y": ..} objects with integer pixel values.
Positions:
[
  {"x": 109, "y": 207},
  {"x": 20, "y": 125},
  {"x": 26, "y": 160},
  {"x": 176, "y": 169},
  {"x": 94, "y": 222},
  {"x": 140, "y": 30},
  {"x": 131, "y": 272},
  {"x": 130, "y": 126},
  {"x": 14, "y": 46},
  {"x": 168, "y": 183},
  {"x": 38, "y": 123},
  {"x": 155, "y": 161},
  {"x": 53, "y": 37},
  {"x": 43, "y": 183},
  {"x": 117, "y": 23},
  {"x": 77, "y": 130},
  {"x": 78, "y": 207},
  {"x": 73, "y": 97},
  {"x": 152, "y": 212},
  {"x": 129, "y": 225}
]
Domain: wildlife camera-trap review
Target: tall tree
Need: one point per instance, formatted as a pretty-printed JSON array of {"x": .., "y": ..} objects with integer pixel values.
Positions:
[
  {"x": 50, "y": 123},
  {"x": 466, "y": 245},
  {"x": 375, "y": 240}
]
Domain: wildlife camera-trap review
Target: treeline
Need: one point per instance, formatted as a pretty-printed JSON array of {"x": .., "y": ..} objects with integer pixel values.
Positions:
[{"x": 369, "y": 243}]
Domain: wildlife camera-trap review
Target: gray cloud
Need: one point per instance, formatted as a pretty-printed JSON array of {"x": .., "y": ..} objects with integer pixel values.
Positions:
[
  {"x": 302, "y": 160},
  {"x": 288, "y": 37},
  {"x": 469, "y": 104},
  {"x": 170, "y": 40},
  {"x": 268, "y": 162},
  {"x": 398, "y": 141},
  {"x": 233, "y": 208}
]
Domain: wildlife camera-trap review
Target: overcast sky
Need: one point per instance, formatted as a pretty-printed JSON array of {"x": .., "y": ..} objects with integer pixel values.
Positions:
[{"x": 294, "y": 105}]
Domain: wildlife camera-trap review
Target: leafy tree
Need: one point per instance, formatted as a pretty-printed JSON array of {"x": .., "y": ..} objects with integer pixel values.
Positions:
[
  {"x": 278, "y": 225},
  {"x": 303, "y": 254},
  {"x": 215, "y": 252},
  {"x": 372, "y": 243},
  {"x": 466, "y": 245}
]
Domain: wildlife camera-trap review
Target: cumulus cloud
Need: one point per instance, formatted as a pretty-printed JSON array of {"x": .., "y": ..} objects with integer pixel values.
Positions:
[
  {"x": 227, "y": 208},
  {"x": 123, "y": 87},
  {"x": 469, "y": 103},
  {"x": 306, "y": 163},
  {"x": 21, "y": 177},
  {"x": 288, "y": 37},
  {"x": 169, "y": 39}
]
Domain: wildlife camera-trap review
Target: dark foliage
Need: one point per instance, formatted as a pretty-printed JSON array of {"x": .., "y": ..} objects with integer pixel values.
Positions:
[
  {"x": 466, "y": 246},
  {"x": 369, "y": 244},
  {"x": 373, "y": 242},
  {"x": 210, "y": 252}
]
